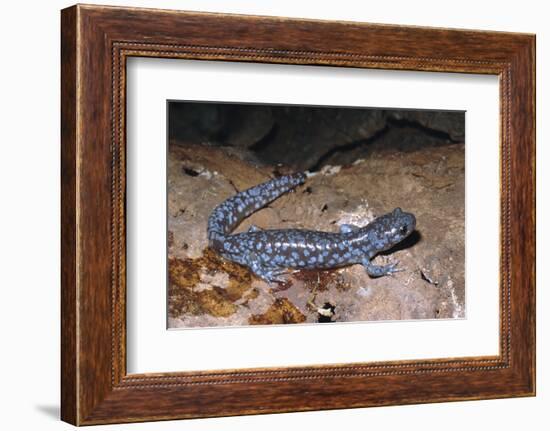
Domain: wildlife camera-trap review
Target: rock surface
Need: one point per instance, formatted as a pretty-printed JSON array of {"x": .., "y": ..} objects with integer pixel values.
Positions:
[{"x": 206, "y": 290}]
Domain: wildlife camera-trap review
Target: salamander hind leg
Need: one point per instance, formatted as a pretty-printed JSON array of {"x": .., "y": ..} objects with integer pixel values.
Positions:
[
  {"x": 276, "y": 275},
  {"x": 380, "y": 270},
  {"x": 269, "y": 275}
]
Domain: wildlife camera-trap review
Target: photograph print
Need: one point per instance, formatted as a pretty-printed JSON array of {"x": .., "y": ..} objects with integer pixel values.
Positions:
[{"x": 292, "y": 214}]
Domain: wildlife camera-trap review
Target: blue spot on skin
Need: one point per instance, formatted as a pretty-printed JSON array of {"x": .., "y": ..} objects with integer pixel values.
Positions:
[
  {"x": 295, "y": 255},
  {"x": 306, "y": 252}
]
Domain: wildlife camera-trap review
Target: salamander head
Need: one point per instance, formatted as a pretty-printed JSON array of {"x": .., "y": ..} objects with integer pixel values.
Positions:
[
  {"x": 388, "y": 230},
  {"x": 398, "y": 225}
]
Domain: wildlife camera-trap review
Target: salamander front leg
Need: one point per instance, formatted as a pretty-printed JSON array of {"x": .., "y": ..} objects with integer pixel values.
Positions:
[{"x": 380, "y": 270}]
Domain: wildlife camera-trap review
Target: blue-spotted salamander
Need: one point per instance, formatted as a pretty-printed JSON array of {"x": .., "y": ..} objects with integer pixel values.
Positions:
[{"x": 270, "y": 253}]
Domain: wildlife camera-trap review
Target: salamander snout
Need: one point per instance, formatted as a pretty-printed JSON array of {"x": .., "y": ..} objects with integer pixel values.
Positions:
[{"x": 402, "y": 225}]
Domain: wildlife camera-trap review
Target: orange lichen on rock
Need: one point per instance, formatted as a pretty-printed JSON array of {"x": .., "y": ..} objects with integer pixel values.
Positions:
[
  {"x": 281, "y": 312},
  {"x": 187, "y": 294},
  {"x": 320, "y": 280}
]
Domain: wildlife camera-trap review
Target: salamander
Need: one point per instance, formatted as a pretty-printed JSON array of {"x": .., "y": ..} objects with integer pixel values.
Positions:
[{"x": 270, "y": 253}]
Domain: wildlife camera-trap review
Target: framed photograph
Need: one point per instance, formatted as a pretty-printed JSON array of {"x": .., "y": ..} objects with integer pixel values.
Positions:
[{"x": 264, "y": 214}]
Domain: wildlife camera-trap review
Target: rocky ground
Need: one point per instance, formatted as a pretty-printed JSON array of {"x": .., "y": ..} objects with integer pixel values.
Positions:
[{"x": 351, "y": 186}]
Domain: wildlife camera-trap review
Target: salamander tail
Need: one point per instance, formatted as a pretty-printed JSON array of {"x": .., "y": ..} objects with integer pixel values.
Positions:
[{"x": 232, "y": 211}]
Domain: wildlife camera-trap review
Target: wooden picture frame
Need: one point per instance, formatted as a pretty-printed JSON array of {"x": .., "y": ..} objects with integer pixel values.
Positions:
[{"x": 95, "y": 43}]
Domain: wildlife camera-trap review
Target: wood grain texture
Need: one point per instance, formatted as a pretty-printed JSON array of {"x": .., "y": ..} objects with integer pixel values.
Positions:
[
  {"x": 96, "y": 41},
  {"x": 69, "y": 371}
]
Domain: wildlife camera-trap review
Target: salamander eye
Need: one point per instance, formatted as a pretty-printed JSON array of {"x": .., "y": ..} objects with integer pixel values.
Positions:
[{"x": 403, "y": 229}]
